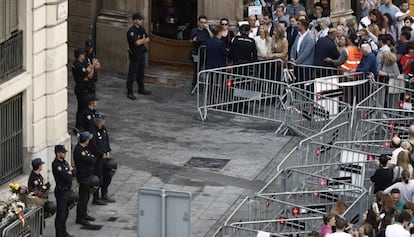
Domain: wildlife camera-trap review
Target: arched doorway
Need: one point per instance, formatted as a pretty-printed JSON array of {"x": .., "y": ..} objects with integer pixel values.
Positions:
[{"x": 170, "y": 27}]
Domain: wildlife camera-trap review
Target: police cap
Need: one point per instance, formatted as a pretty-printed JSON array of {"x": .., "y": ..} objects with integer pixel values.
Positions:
[
  {"x": 99, "y": 117},
  {"x": 78, "y": 52},
  {"x": 245, "y": 28},
  {"x": 60, "y": 148},
  {"x": 36, "y": 163},
  {"x": 90, "y": 98},
  {"x": 89, "y": 44},
  {"x": 84, "y": 136},
  {"x": 137, "y": 16}
]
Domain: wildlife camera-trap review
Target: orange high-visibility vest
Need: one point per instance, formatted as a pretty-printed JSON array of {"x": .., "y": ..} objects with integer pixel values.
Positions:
[{"x": 353, "y": 59}]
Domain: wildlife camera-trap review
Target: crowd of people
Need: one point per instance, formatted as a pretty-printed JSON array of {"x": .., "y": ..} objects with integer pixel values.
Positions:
[
  {"x": 380, "y": 43},
  {"x": 391, "y": 212}
]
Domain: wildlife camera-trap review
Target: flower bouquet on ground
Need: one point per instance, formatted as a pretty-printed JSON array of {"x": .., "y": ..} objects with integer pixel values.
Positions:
[{"x": 13, "y": 208}]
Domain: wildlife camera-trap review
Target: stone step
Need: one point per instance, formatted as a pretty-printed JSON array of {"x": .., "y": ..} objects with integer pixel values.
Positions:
[{"x": 172, "y": 76}]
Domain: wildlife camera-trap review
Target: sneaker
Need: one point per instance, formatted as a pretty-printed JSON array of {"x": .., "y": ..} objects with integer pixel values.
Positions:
[
  {"x": 99, "y": 202},
  {"x": 82, "y": 222},
  {"x": 145, "y": 92},
  {"x": 107, "y": 198},
  {"x": 131, "y": 96},
  {"x": 89, "y": 218}
]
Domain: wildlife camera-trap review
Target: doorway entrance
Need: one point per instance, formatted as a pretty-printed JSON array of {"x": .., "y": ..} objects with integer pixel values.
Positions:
[{"x": 170, "y": 27}]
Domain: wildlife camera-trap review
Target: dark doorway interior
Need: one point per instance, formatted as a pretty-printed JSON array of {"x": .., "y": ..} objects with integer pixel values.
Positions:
[{"x": 173, "y": 19}]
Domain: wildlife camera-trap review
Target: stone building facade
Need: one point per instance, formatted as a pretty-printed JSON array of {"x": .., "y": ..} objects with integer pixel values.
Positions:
[{"x": 33, "y": 80}]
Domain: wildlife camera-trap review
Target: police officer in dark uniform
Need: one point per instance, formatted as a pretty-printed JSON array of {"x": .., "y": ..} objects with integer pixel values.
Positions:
[
  {"x": 36, "y": 183},
  {"x": 85, "y": 162},
  {"x": 243, "y": 49},
  {"x": 89, "y": 59},
  {"x": 81, "y": 74},
  {"x": 63, "y": 174},
  {"x": 88, "y": 114},
  {"x": 99, "y": 145},
  {"x": 137, "y": 38},
  {"x": 199, "y": 36}
]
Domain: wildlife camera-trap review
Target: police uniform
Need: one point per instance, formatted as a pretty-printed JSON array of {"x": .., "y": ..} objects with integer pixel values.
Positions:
[
  {"x": 80, "y": 73},
  {"x": 99, "y": 145},
  {"x": 87, "y": 116},
  {"x": 84, "y": 162},
  {"x": 63, "y": 178},
  {"x": 243, "y": 50},
  {"x": 36, "y": 184},
  {"x": 136, "y": 58},
  {"x": 89, "y": 57}
]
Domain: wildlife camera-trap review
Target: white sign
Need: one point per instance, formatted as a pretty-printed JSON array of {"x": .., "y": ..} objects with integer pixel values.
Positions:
[
  {"x": 62, "y": 10},
  {"x": 263, "y": 234},
  {"x": 255, "y": 10}
]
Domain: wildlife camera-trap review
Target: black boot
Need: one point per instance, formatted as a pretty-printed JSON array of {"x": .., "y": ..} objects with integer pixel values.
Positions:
[
  {"x": 107, "y": 198},
  {"x": 96, "y": 200}
]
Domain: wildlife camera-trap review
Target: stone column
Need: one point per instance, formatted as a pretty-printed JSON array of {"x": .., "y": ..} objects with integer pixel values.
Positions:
[
  {"x": 341, "y": 8},
  {"x": 216, "y": 9},
  {"x": 111, "y": 27}
]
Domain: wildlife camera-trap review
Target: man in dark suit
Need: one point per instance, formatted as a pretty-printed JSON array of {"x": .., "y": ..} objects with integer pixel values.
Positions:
[
  {"x": 326, "y": 47},
  {"x": 216, "y": 50},
  {"x": 291, "y": 32}
]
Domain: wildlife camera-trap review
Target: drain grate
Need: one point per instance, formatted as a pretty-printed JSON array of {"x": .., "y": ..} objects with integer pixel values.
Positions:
[{"x": 205, "y": 162}]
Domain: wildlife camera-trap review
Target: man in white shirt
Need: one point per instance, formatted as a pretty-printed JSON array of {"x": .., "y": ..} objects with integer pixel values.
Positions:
[
  {"x": 401, "y": 15},
  {"x": 253, "y": 26},
  {"x": 340, "y": 228},
  {"x": 395, "y": 143},
  {"x": 399, "y": 228}
]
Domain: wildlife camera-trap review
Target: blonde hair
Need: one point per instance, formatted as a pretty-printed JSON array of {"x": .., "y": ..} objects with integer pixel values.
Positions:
[
  {"x": 266, "y": 32},
  {"x": 389, "y": 58},
  {"x": 402, "y": 160}
]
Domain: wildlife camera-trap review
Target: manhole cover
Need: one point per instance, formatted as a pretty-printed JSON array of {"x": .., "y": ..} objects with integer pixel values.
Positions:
[{"x": 204, "y": 162}]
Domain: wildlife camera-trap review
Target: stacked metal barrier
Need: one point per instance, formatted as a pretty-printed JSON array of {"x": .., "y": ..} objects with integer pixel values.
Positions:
[
  {"x": 243, "y": 89},
  {"x": 32, "y": 226},
  {"x": 348, "y": 121}
]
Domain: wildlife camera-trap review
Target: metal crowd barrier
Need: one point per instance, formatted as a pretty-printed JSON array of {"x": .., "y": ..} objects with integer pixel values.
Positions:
[
  {"x": 315, "y": 103},
  {"x": 387, "y": 112},
  {"x": 34, "y": 220},
  {"x": 293, "y": 202},
  {"x": 253, "y": 90}
]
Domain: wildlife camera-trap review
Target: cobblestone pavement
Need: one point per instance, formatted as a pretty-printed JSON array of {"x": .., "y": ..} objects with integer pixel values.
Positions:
[{"x": 155, "y": 136}]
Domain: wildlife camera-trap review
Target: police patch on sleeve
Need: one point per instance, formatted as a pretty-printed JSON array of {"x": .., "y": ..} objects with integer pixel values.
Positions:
[
  {"x": 89, "y": 117},
  {"x": 131, "y": 33},
  {"x": 59, "y": 168}
]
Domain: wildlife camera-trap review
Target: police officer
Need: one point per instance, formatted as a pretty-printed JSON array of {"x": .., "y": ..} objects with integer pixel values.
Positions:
[
  {"x": 81, "y": 74},
  {"x": 137, "y": 38},
  {"x": 88, "y": 114},
  {"x": 84, "y": 161},
  {"x": 243, "y": 49},
  {"x": 36, "y": 183},
  {"x": 63, "y": 174},
  {"x": 89, "y": 59},
  {"x": 100, "y": 147}
]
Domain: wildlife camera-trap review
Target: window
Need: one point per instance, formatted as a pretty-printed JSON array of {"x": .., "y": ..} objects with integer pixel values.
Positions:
[
  {"x": 11, "y": 41},
  {"x": 11, "y": 139},
  {"x": 8, "y": 19}
]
